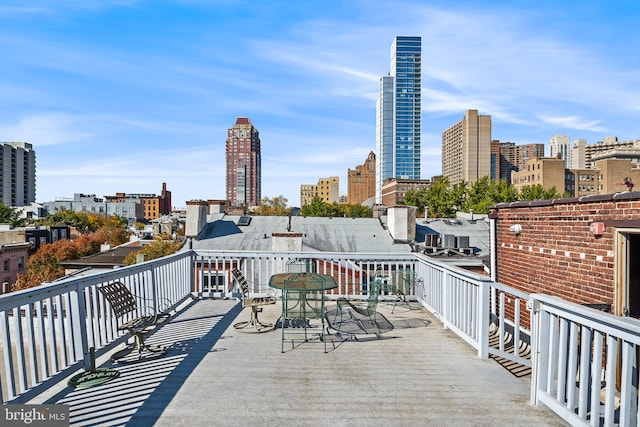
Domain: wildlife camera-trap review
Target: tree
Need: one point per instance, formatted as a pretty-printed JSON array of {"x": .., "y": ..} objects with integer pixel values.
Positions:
[
  {"x": 538, "y": 192},
  {"x": 156, "y": 249},
  {"x": 417, "y": 198},
  {"x": 44, "y": 265},
  {"x": 317, "y": 207},
  {"x": 273, "y": 207},
  {"x": 11, "y": 216}
]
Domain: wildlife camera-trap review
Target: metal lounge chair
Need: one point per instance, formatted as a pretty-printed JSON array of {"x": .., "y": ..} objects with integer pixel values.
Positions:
[
  {"x": 365, "y": 316},
  {"x": 255, "y": 302},
  {"x": 141, "y": 319},
  {"x": 403, "y": 282}
]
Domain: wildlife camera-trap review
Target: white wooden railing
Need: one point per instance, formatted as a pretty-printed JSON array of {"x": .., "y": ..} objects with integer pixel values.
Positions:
[
  {"x": 46, "y": 332},
  {"x": 585, "y": 363}
]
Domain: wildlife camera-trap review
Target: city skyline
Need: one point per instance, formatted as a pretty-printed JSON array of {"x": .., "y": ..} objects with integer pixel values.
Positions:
[{"x": 120, "y": 96}]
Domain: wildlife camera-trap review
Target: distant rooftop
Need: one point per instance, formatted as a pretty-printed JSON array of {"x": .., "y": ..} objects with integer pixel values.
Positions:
[{"x": 362, "y": 235}]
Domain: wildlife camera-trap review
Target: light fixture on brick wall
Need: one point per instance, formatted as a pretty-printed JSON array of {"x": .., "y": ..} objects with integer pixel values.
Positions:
[
  {"x": 597, "y": 228},
  {"x": 516, "y": 228}
]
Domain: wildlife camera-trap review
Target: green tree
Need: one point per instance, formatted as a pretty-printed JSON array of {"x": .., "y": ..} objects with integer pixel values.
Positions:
[
  {"x": 11, "y": 216},
  {"x": 417, "y": 198},
  {"x": 317, "y": 207},
  {"x": 358, "y": 211},
  {"x": 538, "y": 192}
]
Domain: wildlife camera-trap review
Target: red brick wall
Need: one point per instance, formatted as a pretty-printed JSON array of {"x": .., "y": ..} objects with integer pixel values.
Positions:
[{"x": 556, "y": 253}]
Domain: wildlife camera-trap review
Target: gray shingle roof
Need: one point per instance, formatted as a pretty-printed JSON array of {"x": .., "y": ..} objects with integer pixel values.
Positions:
[{"x": 362, "y": 235}]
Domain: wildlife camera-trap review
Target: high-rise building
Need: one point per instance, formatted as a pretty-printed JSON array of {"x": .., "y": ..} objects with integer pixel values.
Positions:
[
  {"x": 559, "y": 147},
  {"x": 244, "y": 176},
  {"x": 361, "y": 182},
  {"x": 17, "y": 174},
  {"x": 398, "y": 114},
  {"x": 466, "y": 149},
  {"x": 513, "y": 157}
]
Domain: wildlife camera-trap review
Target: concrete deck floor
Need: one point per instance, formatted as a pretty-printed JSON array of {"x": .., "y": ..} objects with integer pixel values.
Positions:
[{"x": 214, "y": 375}]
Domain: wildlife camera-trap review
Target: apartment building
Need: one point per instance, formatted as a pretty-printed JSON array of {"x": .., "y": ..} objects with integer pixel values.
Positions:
[
  {"x": 466, "y": 149},
  {"x": 513, "y": 157},
  {"x": 17, "y": 174},
  {"x": 328, "y": 189},
  {"x": 605, "y": 178},
  {"x": 244, "y": 164}
]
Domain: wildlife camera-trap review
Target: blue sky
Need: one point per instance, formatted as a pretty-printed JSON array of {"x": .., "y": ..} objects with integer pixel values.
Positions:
[{"x": 122, "y": 95}]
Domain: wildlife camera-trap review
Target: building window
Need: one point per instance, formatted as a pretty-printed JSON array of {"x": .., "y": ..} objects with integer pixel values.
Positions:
[
  {"x": 6, "y": 265},
  {"x": 20, "y": 263}
]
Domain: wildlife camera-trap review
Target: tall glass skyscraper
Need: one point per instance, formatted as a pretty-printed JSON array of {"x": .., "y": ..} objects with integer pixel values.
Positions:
[{"x": 398, "y": 114}]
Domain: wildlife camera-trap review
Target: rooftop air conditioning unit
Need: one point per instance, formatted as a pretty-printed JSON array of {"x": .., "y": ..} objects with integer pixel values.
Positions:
[
  {"x": 462, "y": 241},
  {"x": 449, "y": 241},
  {"x": 431, "y": 240}
]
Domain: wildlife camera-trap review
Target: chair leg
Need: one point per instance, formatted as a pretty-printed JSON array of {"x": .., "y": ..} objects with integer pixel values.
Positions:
[
  {"x": 138, "y": 346},
  {"x": 255, "y": 322}
]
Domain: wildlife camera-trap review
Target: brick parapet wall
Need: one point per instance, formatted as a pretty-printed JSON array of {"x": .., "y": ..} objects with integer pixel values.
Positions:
[{"x": 556, "y": 252}]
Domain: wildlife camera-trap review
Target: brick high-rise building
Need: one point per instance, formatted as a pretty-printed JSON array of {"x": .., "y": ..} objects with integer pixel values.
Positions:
[
  {"x": 361, "y": 182},
  {"x": 466, "y": 149},
  {"x": 244, "y": 174},
  {"x": 513, "y": 157},
  {"x": 17, "y": 174}
]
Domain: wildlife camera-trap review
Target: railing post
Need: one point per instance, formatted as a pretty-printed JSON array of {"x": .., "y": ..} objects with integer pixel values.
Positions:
[
  {"x": 446, "y": 288},
  {"x": 483, "y": 320},
  {"x": 534, "y": 306},
  {"x": 80, "y": 327}
]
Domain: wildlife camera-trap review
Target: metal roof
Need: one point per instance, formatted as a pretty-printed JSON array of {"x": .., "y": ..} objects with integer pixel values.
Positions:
[{"x": 318, "y": 234}]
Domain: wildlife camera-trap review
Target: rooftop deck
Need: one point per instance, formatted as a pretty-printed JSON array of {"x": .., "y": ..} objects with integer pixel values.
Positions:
[{"x": 418, "y": 374}]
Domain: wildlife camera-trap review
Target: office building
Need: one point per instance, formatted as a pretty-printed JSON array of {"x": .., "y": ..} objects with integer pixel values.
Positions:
[
  {"x": 398, "y": 114},
  {"x": 361, "y": 181},
  {"x": 327, "y": 189},
  {"x": 244, "y": 174},
  {"x": 466, "y": 149},
  {"x": 17, "y": 174}
]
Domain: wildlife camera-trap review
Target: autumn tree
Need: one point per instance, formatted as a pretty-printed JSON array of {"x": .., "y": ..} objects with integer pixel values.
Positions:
[
  {"x": 273, "y": 207},
  {"x": 44, "y": 265}
]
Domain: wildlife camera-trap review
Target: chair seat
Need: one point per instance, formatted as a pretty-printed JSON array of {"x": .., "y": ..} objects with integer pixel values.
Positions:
[
  {"x": 263, "y": 300},
  {"x": 138, "y": 323}
]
